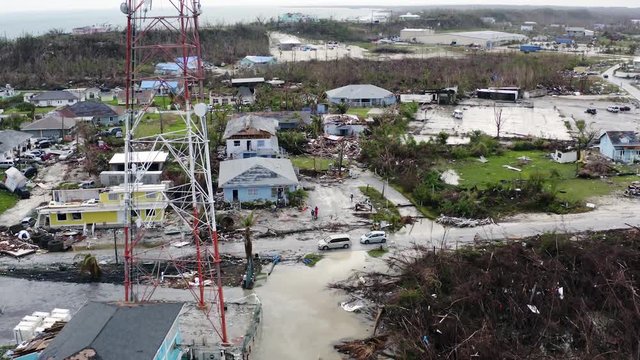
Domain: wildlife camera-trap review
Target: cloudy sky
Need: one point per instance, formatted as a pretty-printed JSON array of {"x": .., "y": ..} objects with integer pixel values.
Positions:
[{"x": 32, "y": 5}]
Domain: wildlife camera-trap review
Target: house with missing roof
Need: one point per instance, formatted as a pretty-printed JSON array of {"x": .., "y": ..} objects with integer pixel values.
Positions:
[
  {"x": 287, "y": 120},
  {"x": 119, "y": 331},
  {"x": 343, "y": 125},
  {"x": 139, "y": 97},
  {"x": 147, "y": 170},
  {"x": 96, "y": 112},
  {"x": 257, "y": 179},
  {"x": 51, "y": 126},
  {"x": 52, "y": 98},
  {"x": 621, "y": 146},
  {"x": 365, "y": 95},
  {"x": 160, "y": 87},
  {"x": 12, "y": 143},
  {"x": 251, "y": 136},
  {"x": 7, "y": 91}
]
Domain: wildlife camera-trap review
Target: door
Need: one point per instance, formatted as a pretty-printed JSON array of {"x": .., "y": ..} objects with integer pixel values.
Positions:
[
  {"x": 248, "y": 145},
  {"x": 235, "y": 195}
]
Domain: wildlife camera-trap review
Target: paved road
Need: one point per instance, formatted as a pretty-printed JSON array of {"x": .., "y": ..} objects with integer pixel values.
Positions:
[{"x": 623, "y": 83}]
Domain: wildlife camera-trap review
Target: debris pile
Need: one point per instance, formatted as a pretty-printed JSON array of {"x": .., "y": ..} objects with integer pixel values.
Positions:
[
  {"x": 330, "y": 146},
  {"x": 552, "y": 296},
  {"x": 463, "y": 222},
  {"x": 597, "y": 168},
  {"x": 11, "y": 245},
  {"x": 633, "y": 189}
]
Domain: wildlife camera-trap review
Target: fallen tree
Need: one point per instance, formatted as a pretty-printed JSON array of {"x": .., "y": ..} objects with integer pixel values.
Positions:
[{"x": 549, "y": 297}]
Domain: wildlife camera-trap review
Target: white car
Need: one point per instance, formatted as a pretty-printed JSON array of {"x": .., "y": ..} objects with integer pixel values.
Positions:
[
  {"x": 340, "y": 241},
  {"x": 613, "y": 109},
  {"x": 374, "y": 237}
]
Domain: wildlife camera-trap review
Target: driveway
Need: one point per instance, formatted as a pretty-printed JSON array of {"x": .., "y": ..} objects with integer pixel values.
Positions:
[{"x": 625, "y": 84}]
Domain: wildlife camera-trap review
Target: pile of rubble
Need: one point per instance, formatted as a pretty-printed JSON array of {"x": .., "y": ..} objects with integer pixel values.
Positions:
[
  {"x": 633, "y": 189},
  {"x": 13, "y": 246},
  {"x": 330, "y": 146},
  {"x": 462, "y": 222}
]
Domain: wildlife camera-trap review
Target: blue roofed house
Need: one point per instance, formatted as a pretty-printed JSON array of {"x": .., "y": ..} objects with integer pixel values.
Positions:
[
  {"x": 250, "y": 136},
  {"x": 251, "y": 61},
  {"x": 622, "y": 146},
  {"x": 255, "y": 179},
  {"x": 116, "y": 331},
  {"x": 365, "y": 95},
  {"x": 160, "y": 87}
]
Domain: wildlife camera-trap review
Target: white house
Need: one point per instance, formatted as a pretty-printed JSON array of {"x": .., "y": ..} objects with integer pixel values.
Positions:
[
  {"x": 526, "y": 27},
  {"x": 365, "y": 95},
  {"x": 343, "y": 125},
  {"x": 12, "y": 143},
  {"x": 7, "y": 91},
  {"x": 84, "y": 94},
  {"x": 636, "y": 62},
  {"x": 252, "y": 136},
  {"x": 564, "y": 157},
  {"x": 53, "y": 98}
]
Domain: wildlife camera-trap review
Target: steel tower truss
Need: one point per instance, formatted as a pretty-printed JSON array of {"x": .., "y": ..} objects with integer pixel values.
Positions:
[{"x": 170, "y": 35}]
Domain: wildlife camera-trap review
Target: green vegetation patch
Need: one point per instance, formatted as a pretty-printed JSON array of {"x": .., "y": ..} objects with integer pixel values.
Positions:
[
  {"x": 7, "y": 201},
  {"x": 311, "y": 163},
  {"x": 312, "y": 259},
  {"x": 379, "y": 252}
]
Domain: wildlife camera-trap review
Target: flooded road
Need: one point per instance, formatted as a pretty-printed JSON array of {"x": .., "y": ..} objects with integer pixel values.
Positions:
[{"x": 302, "y": 318}]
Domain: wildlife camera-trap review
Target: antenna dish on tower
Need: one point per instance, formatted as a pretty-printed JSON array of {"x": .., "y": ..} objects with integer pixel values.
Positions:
[{"x": 124, "y": 8}]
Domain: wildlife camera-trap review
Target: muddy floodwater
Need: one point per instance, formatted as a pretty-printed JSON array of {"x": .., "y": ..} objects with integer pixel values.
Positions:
[{"x": 302, "y": 318}]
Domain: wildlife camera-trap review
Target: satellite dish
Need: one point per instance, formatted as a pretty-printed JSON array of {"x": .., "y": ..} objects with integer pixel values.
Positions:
[
  {"x": 200, "y": 109},
  {"x": 124, "y": 8}
]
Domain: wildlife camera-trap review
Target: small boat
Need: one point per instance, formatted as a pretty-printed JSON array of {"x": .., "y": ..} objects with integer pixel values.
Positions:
[{"x": 457, "y": 114}]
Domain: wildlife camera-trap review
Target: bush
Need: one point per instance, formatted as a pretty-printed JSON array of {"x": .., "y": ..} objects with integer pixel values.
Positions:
[
  {"x": 292, "y": 141},
  {"x": 297, "y": 197},
  {"x": 523, "y": 146}
]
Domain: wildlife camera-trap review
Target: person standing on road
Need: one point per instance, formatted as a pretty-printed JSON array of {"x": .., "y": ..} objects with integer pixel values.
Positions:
[
  {"x": 316, "y": 213},
  {"x": 313, "y": 214},
  {"x": 351, "y": 197}
]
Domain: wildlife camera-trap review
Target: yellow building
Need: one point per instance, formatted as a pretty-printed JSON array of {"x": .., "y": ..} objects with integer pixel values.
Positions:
[{"x": 80, "y": 208}]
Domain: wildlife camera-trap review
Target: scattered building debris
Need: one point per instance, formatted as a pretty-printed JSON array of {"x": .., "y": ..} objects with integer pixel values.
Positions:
[
  {"x": 633, "y": 189},
  {"x": 462, "y": 222}
]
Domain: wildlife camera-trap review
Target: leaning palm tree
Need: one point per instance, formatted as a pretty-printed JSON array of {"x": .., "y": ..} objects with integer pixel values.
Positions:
[{"x": 247, "y": 223}]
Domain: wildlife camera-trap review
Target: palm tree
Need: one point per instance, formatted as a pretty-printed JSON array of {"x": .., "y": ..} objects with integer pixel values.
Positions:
[
  {"x": 247, "y": 223},
  {"x": 90, "y": 265}
]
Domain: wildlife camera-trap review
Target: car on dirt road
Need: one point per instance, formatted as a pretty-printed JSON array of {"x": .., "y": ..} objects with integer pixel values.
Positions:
[
  {"x": 625, "y": 108},
  {"x": 591, "y": 111},
  {"x": 339, "y": 241},
  {"x": 374, "y": 237},
  {"x": 613, "y": 109}
]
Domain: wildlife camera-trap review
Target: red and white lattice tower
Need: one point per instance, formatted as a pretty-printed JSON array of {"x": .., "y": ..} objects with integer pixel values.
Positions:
[{"x": 170, "y": 35}]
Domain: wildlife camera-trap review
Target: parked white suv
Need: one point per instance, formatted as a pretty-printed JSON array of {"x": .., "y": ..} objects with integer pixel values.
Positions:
[
  {"x": 613, "y": 109},
  {"x": 339, "y": 241},
  {"x": 373, "y": 237}
]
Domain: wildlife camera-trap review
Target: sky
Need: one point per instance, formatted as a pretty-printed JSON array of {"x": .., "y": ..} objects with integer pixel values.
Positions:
[{"x": 40, "y": 5}]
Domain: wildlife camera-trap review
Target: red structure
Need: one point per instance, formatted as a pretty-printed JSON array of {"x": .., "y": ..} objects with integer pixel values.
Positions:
[{"x": 169, "y": 36}]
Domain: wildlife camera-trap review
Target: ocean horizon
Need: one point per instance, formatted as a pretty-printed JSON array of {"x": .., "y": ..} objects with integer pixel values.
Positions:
[{"x": 13, "y": 25}]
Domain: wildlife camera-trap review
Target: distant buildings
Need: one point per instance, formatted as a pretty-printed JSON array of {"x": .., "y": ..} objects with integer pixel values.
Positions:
[
  {"x": 84, "y": 94},
  {"x": 52, "y": 98},
  {"x": 528, "y": 26},
  {"x": 365, "y": 95},
  {"x": 574, "y": 31},
  {"x": 488, "y": 20},
  {"x": 343, "y": 125},
  {"x": 288, "y": 44},
  {"x": 96, "y": 112},
  {"x": 51, "y": 126},
  {"x": 93, "y": 29},
  {"x": 409, "y": 16},
  {"x": 485, "y": 39},
  {"x": 160, "y": 87},
  {"x": 295, "y": 17},
  {"x": 250, "y": 61}
]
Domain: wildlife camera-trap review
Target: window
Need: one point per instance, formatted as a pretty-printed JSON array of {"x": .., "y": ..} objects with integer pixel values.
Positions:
[
  {"x": 76, "y": 216},
  {"x": 150, "y": 212},
  {"x": 252, "y": 191},
  {"x": 260, "y": 143},
  {"x": 236, "y": 142},
  {"x": 274, "y": 192},
  {"x": 114, "y": 197},
  {"x": 62, "y": 217}
]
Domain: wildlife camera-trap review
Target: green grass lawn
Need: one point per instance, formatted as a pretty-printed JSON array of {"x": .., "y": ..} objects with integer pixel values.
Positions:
[
  {"x": 150, "y": 124},
  {"x": 361, "y": 112},
  {"x": 379, "y": 202},
  {"x": 7, "y": 201},
  {"x": 307, "y": 163},
  {"x": 475, "y": 173}
]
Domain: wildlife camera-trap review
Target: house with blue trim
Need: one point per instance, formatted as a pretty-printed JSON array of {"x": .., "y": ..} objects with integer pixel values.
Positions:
[
  {"x": 118, "y": 331},
  {"x": 257, "y": 179},
  {"x": 621, "y": 146},
  {"x": 251, "y": 136}
]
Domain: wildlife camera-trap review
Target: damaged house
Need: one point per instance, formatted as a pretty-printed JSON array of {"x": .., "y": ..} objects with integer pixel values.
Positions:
[
  {"x": 256, "y": 179},
  {"x": 252, "y": 136},
  {"x": 621, "y": 146},
  {"x": 343, "y": 125}
]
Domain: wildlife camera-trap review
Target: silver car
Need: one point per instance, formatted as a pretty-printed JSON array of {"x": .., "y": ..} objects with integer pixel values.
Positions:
[
  {"x": 340, "y": 241},
  {"x": 374, "y": 237}
]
